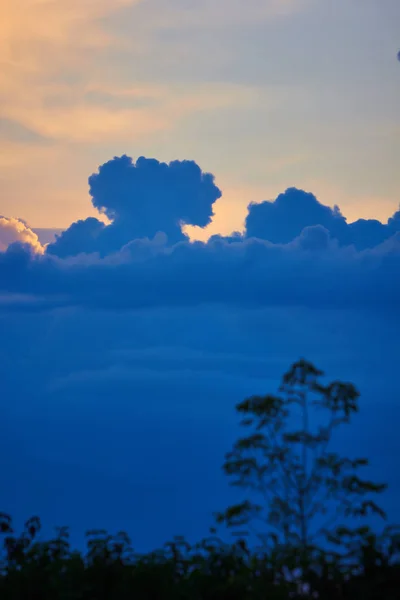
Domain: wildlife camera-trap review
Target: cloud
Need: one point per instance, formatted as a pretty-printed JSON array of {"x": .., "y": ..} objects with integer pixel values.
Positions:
[
  {"x": 311, "y": 271},
  {"x": 394, "y": 221},
  {"x": 148, "y": 196},
  {"x": 282, "y": 220},
  {"x": 15, "y": 230},
  {"x": 81, "y": 236},
  {"x": 140, "y": 199},
  {"x": 294, "y": 251}
]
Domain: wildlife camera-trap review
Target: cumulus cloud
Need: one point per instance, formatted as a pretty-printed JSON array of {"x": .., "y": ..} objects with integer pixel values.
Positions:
[
  {"x": 282, "y": 220},
  {"x": 141, "y": 199},
  {"x": 81, "y": 236},
  {"x": 294, "y": 251},
  {"x": 146, "y": 197},
  {"x": 15, "y": 230}
]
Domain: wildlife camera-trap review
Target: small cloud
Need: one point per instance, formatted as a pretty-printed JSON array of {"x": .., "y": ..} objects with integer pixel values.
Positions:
[
  {"x": 15, "y": 230},
  {"x": 284, "y": 219}
]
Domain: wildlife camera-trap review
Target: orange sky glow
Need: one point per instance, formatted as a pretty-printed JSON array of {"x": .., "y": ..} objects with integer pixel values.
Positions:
[{"x": 264, "y": 94}]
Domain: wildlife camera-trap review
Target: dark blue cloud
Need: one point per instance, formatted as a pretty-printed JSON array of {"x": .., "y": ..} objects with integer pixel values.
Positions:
[
  {"x": 312, "y": 270},
  {"x": 144, "y": 198},
  {"x": 282, "y": 220},
  {"x": 141, "y": 199},
  {"x": 295, "y": 251},
  {"x": 394, "y": 221},
  {"x": 83, "y": 236}
]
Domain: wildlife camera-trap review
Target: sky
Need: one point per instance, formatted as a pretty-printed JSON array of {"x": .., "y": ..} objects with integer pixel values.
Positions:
[
  {"x": 193, "y": 196},
  {"x": 265, "y": 94}
]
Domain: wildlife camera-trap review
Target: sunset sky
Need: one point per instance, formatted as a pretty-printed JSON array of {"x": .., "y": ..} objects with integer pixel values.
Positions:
[
  {"x": 138, "y": 127},
  {"x": 264, "y": 94}
]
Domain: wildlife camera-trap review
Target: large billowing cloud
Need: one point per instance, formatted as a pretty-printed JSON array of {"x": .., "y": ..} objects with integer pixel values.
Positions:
[
  {"x": 141, "y": 199},
  {"x": 15, "y": 230},
  {"x": 144, "y": 198}
]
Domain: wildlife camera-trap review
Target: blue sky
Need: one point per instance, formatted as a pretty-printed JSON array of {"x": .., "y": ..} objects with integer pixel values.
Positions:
[
  {"x": 121, "y": 419},
  {"x": 271, "y": 136}
]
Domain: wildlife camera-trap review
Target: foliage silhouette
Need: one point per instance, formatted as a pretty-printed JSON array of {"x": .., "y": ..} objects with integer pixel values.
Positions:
[
  {"x": 286, "y": 460},
  {"x": 31, "y": 569}
]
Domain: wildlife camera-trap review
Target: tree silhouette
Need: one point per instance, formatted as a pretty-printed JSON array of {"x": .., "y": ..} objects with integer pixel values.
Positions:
[{"x": 285, "y": 459}]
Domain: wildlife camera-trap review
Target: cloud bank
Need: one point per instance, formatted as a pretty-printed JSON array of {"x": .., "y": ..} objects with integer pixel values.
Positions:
[
  {"x": 293, "y": 251},
  {"x": 311, "y": 271}
]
